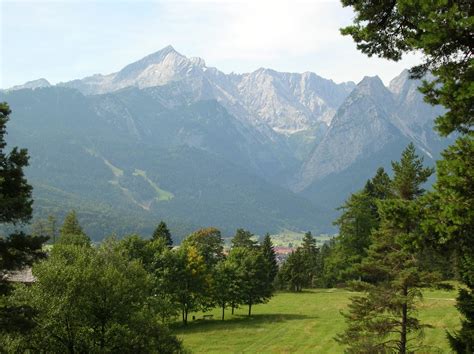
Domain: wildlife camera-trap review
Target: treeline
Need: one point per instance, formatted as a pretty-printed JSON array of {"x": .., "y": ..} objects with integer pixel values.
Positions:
[
  {"x": 337, "y": 262},
  {"x": 122, "y": 294}
]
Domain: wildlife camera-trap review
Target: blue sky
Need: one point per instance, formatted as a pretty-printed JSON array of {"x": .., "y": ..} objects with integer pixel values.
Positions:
[{"x": 69, "y": 39}]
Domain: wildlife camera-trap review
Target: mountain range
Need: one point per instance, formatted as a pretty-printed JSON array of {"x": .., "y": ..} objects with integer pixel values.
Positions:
[{"x": 168, "y": 137}]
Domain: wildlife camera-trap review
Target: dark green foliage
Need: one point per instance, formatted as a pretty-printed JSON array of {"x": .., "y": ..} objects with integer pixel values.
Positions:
[
  {"x": 409, "y": 175},
  {"x": 449, "y": 223},
  {"x": 162, "y": 232},
  {"x": 17, "y": 250},
  {"x": 392, "y": 273},
  {"x": 442, "y": 31},
  {"x": 358, "y": 219},
  {"x": 462, "y": 341},
  {"x": 15, "y": 192},
  {"x": 270, "y": 257},
  {"x": 243, "y": 238},
  {"x": 311, "y": 259},
  {"x": 293, "y": 272}
]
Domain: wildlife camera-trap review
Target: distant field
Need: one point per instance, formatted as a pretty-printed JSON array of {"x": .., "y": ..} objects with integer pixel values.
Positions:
[
  {"x": 294, "y": 239},
  {"x": 303, "y": 323}
]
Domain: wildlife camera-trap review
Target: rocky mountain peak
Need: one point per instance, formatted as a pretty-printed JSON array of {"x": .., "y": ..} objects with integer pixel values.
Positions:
[
  {"x": 398, "y": 83},
  {"x": 34, "y": 84},
  {"x": 370, "y": 84}
]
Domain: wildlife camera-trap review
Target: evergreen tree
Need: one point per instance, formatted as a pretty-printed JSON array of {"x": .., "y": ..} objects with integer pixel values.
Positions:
[
  {"x": 409, "y": 175},
  {"x": 71, "y": 232},
  {"x": 442, "y": 32},
  {"x": 450, "y": 218},
  {"x": 71, "y": 225},
  {"x": 15, "y": 192},
  {"x": 243, "y": 238},
  {"x": 269, "y": 255},
  {"x": 393, "y": 276},
  {"x": 162, "y": 231},
  {"x": 17, "y": 250},
  {"x": 359, "y": 217},
  {"x": 293, "y": 271},
  {"x": 311, "y": 259}
]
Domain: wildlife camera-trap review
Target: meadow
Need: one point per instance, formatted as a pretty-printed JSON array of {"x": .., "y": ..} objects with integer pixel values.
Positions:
[{"x": 304, "y": 323}]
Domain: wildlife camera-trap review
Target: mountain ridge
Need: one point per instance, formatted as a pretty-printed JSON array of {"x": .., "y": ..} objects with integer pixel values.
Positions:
[{"x": 288, "y": 147}]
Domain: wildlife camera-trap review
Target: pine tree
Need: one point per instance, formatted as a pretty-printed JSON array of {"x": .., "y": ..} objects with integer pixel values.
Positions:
[
  {"x": 311, "y": 259},
  {"x": 409, "y": 175},
  {"x": 293, "y": 271},
  {"x": 17, "y": 250},
  {"x": 269, "y": 255},
  {"x": 162, "y": 231},
  {"x": 450, "y": 217},
  {"x": 71, "y": 232},
  {"x": 71, "y": 225},
  {"x": 442, "y": 32},
  {"x": 15, "y": 192},
  {"x": 392, "y": 271},
  {"x": 358, "y": 219}
]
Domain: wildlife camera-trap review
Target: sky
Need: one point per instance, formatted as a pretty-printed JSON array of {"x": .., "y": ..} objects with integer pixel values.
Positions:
[{"x": 62, "y": 40}]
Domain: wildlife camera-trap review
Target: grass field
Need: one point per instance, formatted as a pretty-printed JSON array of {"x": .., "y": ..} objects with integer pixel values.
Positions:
[
  {"x": 304, "y": 323},
  {"x": 289, "y": 238}
]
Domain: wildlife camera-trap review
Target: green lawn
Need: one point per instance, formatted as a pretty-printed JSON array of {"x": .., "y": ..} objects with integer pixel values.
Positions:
[{"x": 303, "y": 323}]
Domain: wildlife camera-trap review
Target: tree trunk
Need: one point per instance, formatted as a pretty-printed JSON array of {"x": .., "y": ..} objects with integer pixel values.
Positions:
[
  {"x": 102, "y": 336},
  {"x": 250, "y": 308},
  {"x": 403, "y": 334},
  {"x": 233, "y": 306},
  {"x": 223, "y": 310},
  {"x": 186, "y": 315}
]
